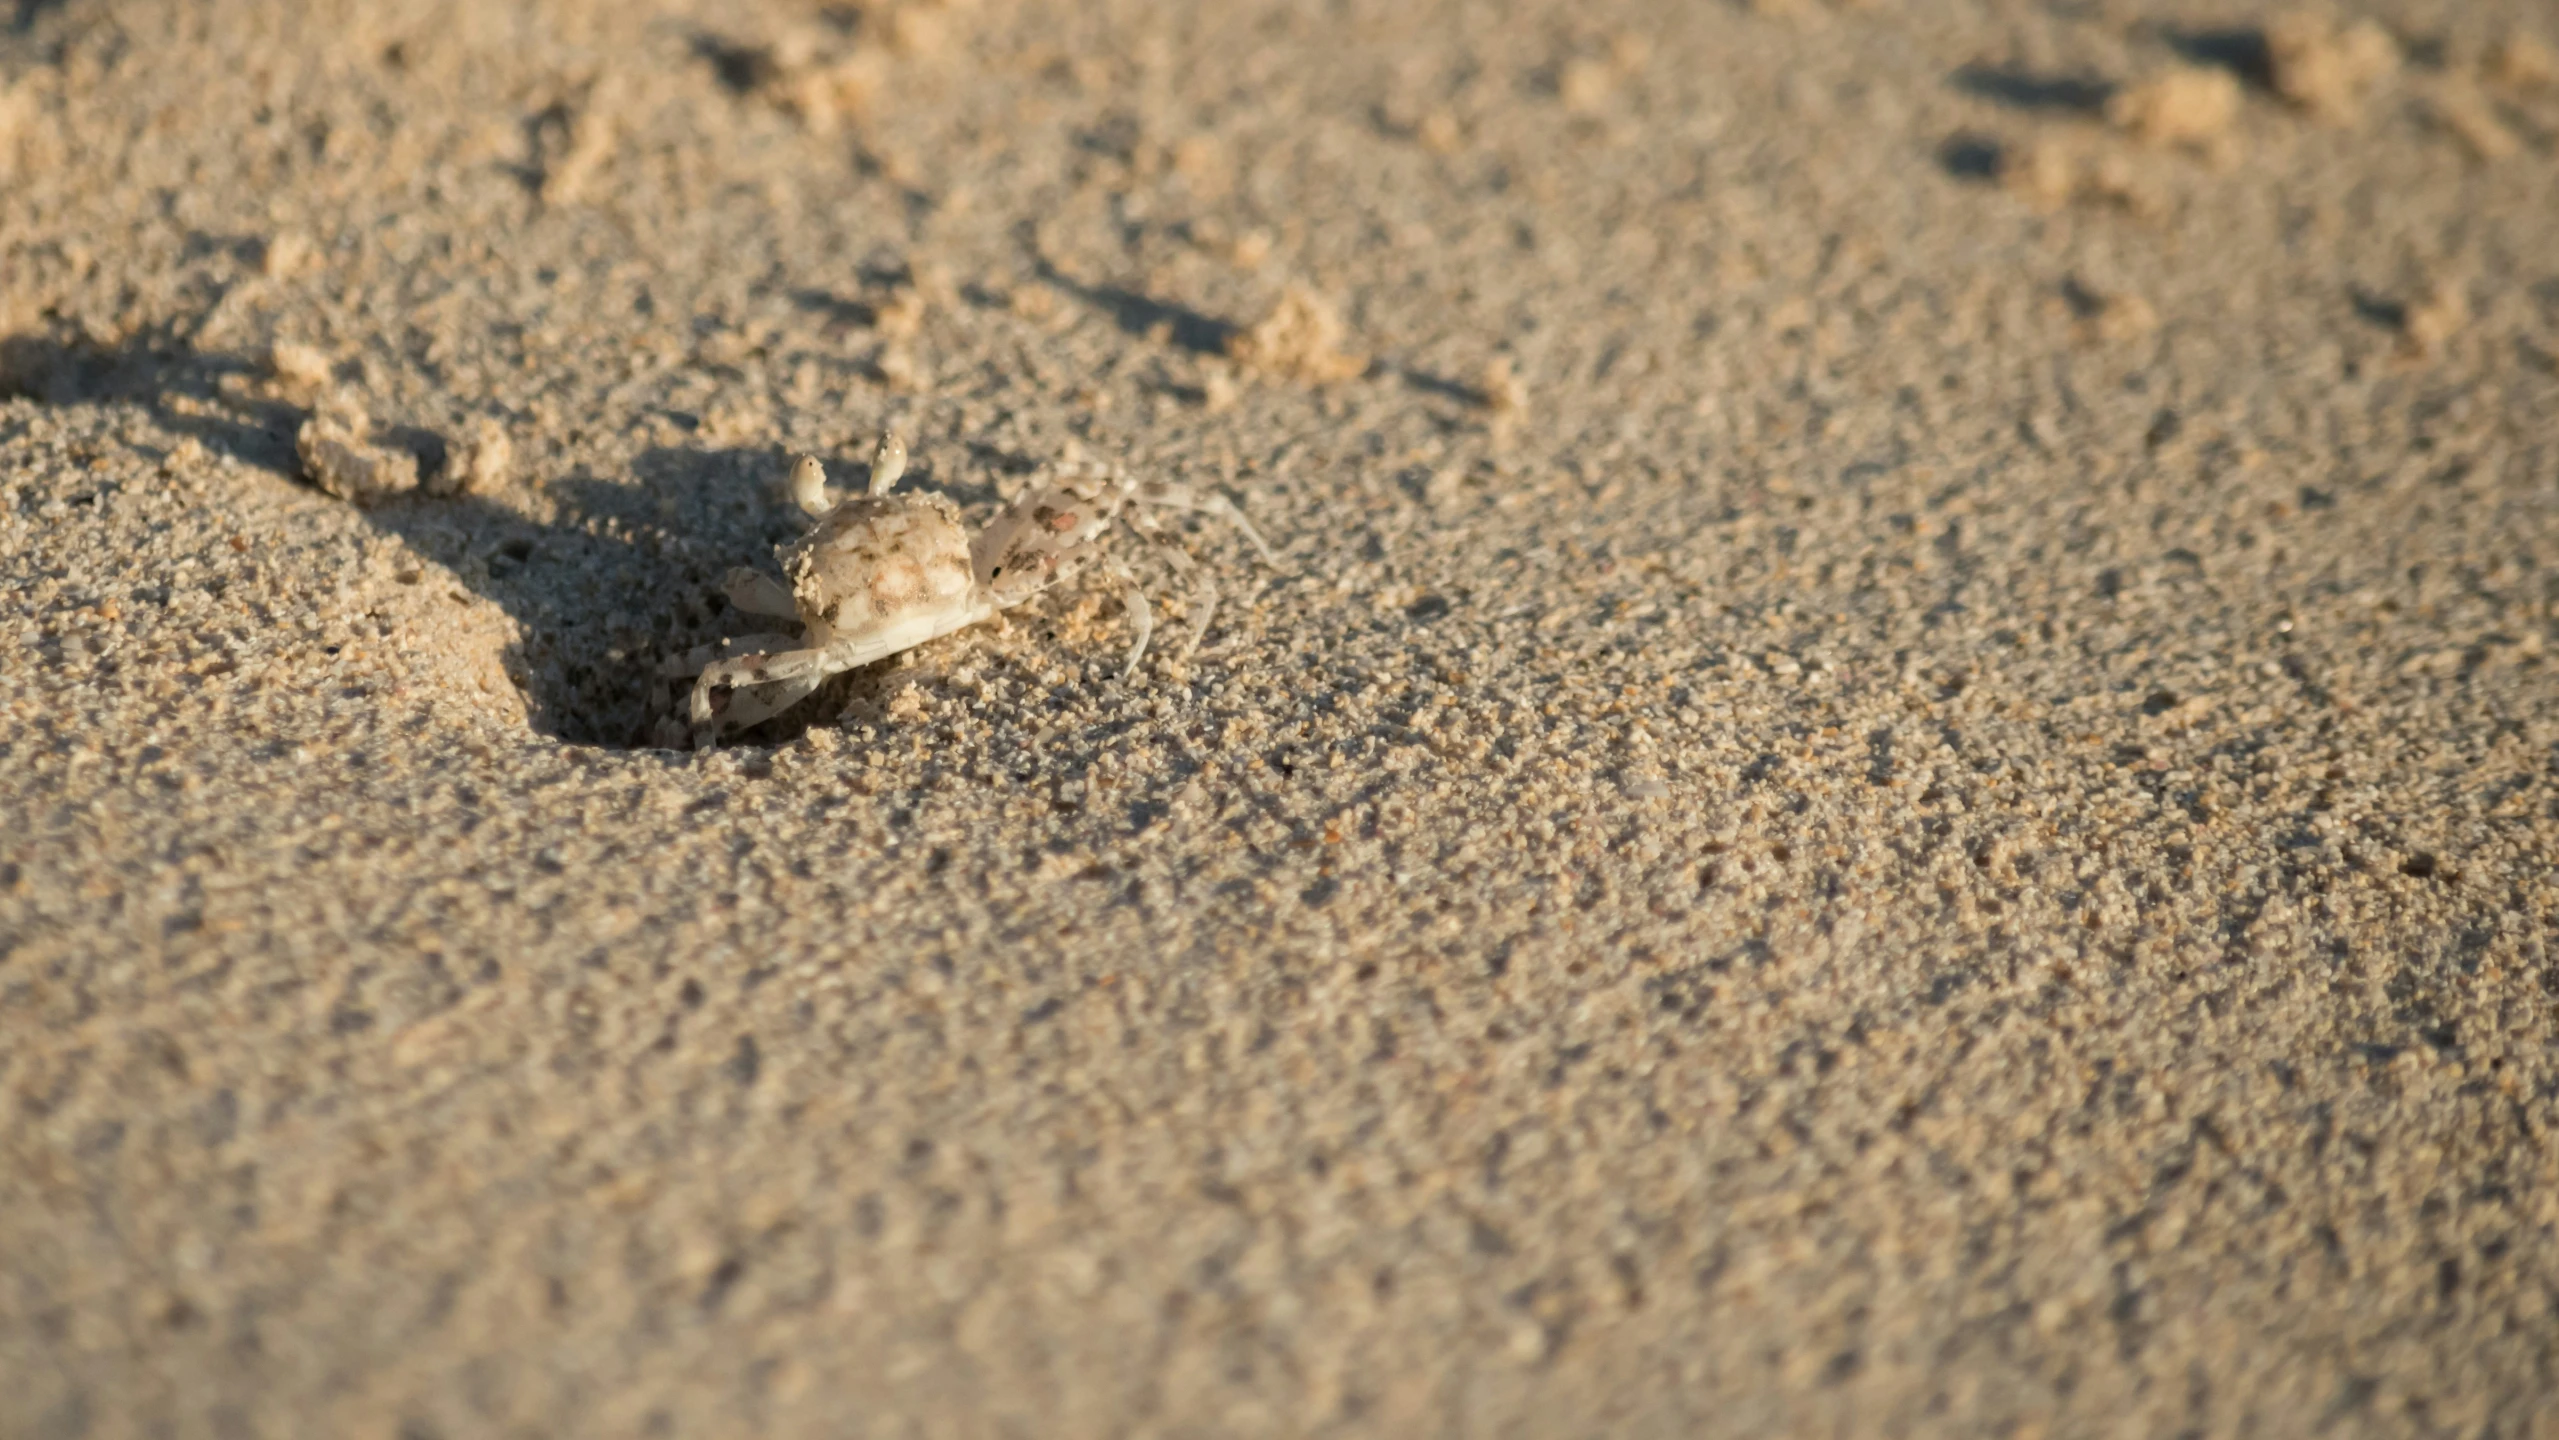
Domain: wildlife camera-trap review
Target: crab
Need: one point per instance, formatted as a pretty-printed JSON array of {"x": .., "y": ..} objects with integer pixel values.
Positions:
[{"x": 880, "y": 573}]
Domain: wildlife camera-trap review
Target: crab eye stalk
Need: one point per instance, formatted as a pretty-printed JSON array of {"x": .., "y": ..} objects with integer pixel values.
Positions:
[
  {"x": 808, "y": 486},
  {"x": 887, "y": 462}
]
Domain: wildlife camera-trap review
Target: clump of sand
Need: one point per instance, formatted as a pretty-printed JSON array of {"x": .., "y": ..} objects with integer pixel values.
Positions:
[
  {"x": 1585, "y": 83},
  {"x": 2326, "y": 70},
  {"x": 801, "y": 71},
  {"x": 2049, "y": 173},
  {"x": 2044, "y": 173},
  {"x": 1218, "y": 388},
  {"x": 822, "y": 95},
  {"x": 574, "y": 139},
  {"x": 2523, "y": 61},
  {"x": 299, "y": 366},
  {"x": 1300, "y": 339},
  {"x": 17, "y": 117},
  {"x": 482, "y": 461},
  {"x": 2460, "y": 109},
  {"x": 1505, "y": 394},
  {"x": 2189, "y": 105},
  {"x": 341, "y": 455},
  {"x": 338, "y": 455},
  {"x": 2112, "y": 317},
  {"x": 283, "y": 253},
  {"x": 2429, "y": 324}
]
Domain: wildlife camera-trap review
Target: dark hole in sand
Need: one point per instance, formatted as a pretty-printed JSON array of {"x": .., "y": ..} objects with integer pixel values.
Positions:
[{"x": 1970, "y": 157}]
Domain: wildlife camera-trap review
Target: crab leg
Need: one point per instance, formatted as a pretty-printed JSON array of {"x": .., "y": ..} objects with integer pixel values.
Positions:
[
  {"x": 770, "y": 675},
  {"x": 760, "y": 669},
  {"x": 758, "y": 703},
  {"x": 1141, "y": 615},
  {"x": 693, "y": 661},
  {"x": 1204, "y": 599},
  {"x": 1182, "y": 497},
  {"x": 1204, "y": 595}
]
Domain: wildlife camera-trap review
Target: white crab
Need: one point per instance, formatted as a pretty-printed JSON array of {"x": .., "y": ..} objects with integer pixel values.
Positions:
[{"x": 880, "y": 573}]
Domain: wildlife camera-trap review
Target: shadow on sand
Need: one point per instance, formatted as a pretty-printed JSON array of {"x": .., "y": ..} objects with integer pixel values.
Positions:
[{"x": 606, "y": 578}]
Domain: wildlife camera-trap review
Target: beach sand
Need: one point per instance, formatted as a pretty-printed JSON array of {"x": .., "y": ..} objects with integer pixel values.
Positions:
[{"x": 1898, "y": 773}]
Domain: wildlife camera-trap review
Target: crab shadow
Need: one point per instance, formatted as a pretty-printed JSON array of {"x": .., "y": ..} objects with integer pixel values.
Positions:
[
  {"x": 605, "y": 578},
  {"x": 190, "y": 392}
]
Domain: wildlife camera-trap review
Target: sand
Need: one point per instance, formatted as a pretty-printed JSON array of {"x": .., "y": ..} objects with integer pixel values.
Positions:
[{"x": 1864, "y": 798}]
